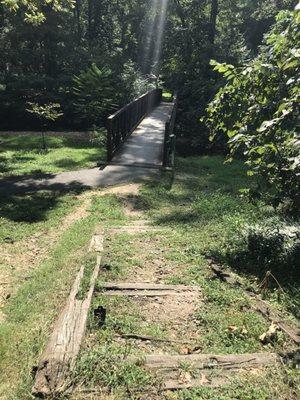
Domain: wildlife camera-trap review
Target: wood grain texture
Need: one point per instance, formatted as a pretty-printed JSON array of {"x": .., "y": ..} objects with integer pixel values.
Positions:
[
  {"x": 209, "y": 370},
  {"x": 146, "y": 286},
  {"x": 59, "y": 356}
]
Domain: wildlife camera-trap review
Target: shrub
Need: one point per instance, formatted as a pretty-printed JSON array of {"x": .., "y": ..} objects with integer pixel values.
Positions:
[
  {"x": 258, "y": 110},
  {"x": 94, "y": 94}
]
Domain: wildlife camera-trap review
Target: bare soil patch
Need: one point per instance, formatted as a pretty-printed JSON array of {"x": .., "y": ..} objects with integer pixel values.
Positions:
[{"x": 20, "y": 258}]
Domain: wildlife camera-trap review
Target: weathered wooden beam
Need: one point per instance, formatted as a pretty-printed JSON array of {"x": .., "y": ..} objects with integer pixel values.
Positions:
[
  {"x": 58, "y": 359},
  {"x": 134, "y": 229},
  {"x": 146, "y": 286},
  {"x": 140, "y": 293},
  {"x": 205, "y": 361},
  {"x": 143, "y": 289},
  {"x": 260, "y": 305},
  {"x": 152, "y": 338},
  {"x": 212, "y": 370}
]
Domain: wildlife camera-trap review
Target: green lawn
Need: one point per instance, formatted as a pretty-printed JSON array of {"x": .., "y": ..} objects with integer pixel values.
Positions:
[{"x": 22, "y": 154}]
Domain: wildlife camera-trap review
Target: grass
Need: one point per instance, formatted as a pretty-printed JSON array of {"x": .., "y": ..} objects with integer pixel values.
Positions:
[
  {"x": 24, "y": 215},
  {"x": 31, "y": 311},
  {"x": 22, "y": 154},
  {"x": 202, "y": 212}
]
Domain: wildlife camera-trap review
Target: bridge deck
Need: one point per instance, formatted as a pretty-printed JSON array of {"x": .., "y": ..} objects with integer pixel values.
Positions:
[
  {"x": 144, "y": 146},
  {"x": 138, "y": 158}
]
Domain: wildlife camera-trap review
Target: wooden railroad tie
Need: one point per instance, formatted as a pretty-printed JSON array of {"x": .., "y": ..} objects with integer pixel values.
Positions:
[
  {"x": 259, "y": 305},
  {"x": 59, "y": 357},
  {"x": 135, "y": 229},
  {"x": 204, "y": 369},
  {"x": 143, "y": 289}
]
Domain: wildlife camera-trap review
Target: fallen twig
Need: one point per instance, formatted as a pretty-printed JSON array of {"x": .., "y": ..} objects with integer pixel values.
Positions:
[{"x": 152, "y": 338}]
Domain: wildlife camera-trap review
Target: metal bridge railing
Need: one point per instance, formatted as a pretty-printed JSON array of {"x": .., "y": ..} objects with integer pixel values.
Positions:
[
  {"x": 170, "y": 138},
  {"x": 121, "y": 124}
]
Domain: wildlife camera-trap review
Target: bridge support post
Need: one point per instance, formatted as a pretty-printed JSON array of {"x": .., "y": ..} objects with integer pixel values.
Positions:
[{"x": 109, "y": 141}]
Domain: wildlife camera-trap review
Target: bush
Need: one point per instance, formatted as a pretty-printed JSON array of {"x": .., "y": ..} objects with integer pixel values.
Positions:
[
  {"x": 258, "y": 109},
  {"x": 269, "y": 251},
  {"x": 94, "y": 95},
  {"x": 272, "y": 246}
]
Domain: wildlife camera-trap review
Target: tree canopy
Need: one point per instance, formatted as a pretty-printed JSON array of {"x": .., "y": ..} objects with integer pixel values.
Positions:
[{"x": 258, "y": 109}]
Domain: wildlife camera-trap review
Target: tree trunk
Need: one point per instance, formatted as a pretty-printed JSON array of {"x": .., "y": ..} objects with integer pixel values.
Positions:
[
  {"x": 77, "y": 11},
  {"x": 213, "y": 19},
  {"x": 90, "y": 22}
]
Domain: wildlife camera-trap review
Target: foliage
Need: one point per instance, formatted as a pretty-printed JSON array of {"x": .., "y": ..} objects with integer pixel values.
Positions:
[
  {"x": 134, "y": 84},
  {"x": 272, "y": 247},
  {"x": 34, "y": 9},
  {"x": 189, "y": 48},
  {"x": 94, "y": 94},
  {"x": 43, "y": 44},
  {"x": 45, "y": 112},
  {"x": 258, "y": 111}
]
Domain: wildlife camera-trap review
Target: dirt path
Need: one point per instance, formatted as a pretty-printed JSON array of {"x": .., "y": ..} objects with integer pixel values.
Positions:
[
  {"x": 22, "y": 257},
  {"x": 144, "y": 321}
]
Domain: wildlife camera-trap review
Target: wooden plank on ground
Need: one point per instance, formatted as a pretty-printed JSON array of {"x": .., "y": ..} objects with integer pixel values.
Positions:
[
  {"x": 135, "y": 229},
  {"x": 141, "y": 293},
  {"x": 209, "y": 361},
  {"x": 96, "y": 243},
  {"x": 59, "y": 356},
  {"x": 152, "y": 338},
  {"x": 143, "y": 289},
  {"x": 260, "y": 305},
  {"x": 210, "y": 370},
  {"x": 146, "y": 286}
]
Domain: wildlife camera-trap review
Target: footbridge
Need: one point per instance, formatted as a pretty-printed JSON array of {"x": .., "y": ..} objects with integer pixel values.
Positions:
[
  {"x": 140, "y": 142},
  {"x": 141, "y": 133}
]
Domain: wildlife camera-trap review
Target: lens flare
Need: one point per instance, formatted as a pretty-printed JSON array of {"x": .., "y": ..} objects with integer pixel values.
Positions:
[{"x": 154, "y": 36}]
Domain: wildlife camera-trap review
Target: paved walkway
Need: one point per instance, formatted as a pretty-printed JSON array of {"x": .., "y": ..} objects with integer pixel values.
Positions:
[{"x": 140, "y": 157}]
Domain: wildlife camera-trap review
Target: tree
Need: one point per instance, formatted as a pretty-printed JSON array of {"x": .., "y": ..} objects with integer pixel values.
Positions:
[
  {"x": 45, "y": 113},
  {"x": 34, "y": 9},
  {"x": 213, "y": 18},
  {"x": 258, "y": 110},
  {"x": 94, "y": 94}
]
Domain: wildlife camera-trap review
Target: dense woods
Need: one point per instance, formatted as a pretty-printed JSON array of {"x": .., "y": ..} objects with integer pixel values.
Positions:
[
  {"x": 91, "y": 57},
  {"x": 45, "y": 44}
]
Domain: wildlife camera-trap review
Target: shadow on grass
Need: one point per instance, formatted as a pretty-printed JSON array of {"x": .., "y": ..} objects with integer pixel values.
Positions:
[
  {"x": 3, "y": 166},
  {"x": 69, "y": 163},
  {"x": 203, "y": 190},
  {"x": 285, "y": 268},
  {"x": 33, "y": 206},
  {"x": 18, "y": 152},
  {"x": 33, "y": 143},
  {"x": 205, "y": 196}
]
